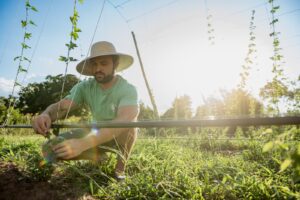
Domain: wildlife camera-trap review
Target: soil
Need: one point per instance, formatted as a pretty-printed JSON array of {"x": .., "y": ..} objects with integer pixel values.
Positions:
[{"x": 13, "y": 185}]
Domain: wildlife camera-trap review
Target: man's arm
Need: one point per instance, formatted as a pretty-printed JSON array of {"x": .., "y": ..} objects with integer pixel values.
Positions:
[
  {"x": 126, "y": 113},
  {"x": 60, "y": 109},
  {"x": 42, "y": 123},
  {"x": 72, "y": 148}
]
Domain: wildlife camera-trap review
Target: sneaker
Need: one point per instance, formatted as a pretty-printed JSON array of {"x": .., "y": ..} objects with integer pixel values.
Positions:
[{"x": 120, "y": 176}]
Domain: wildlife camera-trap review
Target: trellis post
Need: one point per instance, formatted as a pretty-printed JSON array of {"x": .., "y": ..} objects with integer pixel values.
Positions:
[{"x": 145, "y": 78}]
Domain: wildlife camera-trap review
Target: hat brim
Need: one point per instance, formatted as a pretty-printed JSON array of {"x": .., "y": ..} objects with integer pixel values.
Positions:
[{"x": 84, "y": 67}]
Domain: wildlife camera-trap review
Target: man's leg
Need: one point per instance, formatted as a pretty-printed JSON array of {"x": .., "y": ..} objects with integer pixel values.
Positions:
[
  {"x": 93, "y": 154},
  {"x": 125, "y": 143}
]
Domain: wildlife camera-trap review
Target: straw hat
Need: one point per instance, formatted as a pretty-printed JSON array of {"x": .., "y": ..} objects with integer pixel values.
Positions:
[{"x": 103, "y": 48}]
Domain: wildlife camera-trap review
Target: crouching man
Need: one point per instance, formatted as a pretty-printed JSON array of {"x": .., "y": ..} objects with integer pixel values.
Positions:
[{"x": 109, "y": 97}]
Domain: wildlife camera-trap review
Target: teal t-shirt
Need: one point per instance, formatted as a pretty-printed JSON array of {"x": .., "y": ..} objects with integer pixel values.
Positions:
[{"x": 104, "y": 104}]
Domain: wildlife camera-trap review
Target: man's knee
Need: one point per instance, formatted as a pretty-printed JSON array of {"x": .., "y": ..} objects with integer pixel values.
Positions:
[{"x": 128, "y": 136}]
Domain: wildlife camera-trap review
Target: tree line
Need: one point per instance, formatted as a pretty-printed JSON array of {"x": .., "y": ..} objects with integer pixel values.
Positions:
[{"x": 35, "y": 97}]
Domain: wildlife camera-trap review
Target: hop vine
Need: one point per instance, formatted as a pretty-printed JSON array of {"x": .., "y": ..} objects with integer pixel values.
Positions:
[
  {"x": 210, "y": 29},
  {"x": 21, "y": 59},
  {"x": 24, "y": 45},
  {"x": 251, "y": 55},
  {"x": 275, "y": 89},
  {"x": 73, "y": 36}
]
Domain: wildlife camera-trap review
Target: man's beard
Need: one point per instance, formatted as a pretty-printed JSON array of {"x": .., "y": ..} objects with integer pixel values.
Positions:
[{"x": 106, "y": 78}]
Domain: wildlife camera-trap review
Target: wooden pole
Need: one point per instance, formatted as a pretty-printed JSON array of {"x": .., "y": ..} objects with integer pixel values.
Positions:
[{"x": 145, "y": 78}]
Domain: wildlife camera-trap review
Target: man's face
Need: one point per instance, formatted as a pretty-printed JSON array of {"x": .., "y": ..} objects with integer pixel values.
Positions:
[{"x": 103, "y": 69}]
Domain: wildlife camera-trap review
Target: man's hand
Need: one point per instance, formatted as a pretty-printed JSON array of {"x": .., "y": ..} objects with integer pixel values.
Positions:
[
  {"x": 41, "y": 124},
  {"x": 69, "y": 149}
]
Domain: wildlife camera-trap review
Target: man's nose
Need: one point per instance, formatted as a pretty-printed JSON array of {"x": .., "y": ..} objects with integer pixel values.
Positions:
[{"x": 97, "y": 68}]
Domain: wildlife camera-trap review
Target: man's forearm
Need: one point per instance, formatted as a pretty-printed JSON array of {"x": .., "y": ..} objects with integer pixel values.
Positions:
[
  {"x": 55, "y": 111},
  {"x": 125, "y": 114},
  {"x": 103, "y": 136}
]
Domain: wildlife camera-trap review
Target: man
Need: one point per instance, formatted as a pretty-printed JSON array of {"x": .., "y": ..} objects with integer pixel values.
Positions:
[{"x": 109, "y": 96}]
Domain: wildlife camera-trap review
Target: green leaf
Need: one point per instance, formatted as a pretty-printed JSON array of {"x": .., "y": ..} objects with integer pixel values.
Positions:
[
  {"x": 27, "y": 35},
  {"x": 15, "y": 58},
  {"x": 26, "y": 59},
  {"x": 25, "y": 46},
  {"x": 274, "y": 9},
  {"x": 32, "y": 23},
  {"x": 28, "y": 4},
  {"x": 72, "y": 19},
  {"x": 72, "y": 59},
  {"x": 81, "y": 1},
  {"x": 272, "y": 34},
  {"x": 63, "y": 58},
  {"x": 21, "y": 69},
  {"x": 24, "y": 23},
  {"x": 77, "y": 30},
  {"x": 17, "y": 84},
  {"x": 75, "y": 14},
  {"x": 285, "y": 164},
  {"x": 74, "y": 35},
  {"x": 274, "y": 21},
  {"x": 268, "y": 146},
  {"x": 71, "y": 45},
  {"x": 34, "y": 9}
]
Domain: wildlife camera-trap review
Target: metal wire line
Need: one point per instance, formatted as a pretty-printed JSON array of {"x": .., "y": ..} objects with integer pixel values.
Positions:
[
  {"x": 123, "y": 3},
  {"x": 116, "y": 8},
  {"x": 127, "y": 20},
  {"x": 153, "y": 10}
]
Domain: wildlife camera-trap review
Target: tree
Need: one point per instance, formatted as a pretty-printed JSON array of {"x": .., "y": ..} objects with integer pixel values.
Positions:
[
  {"x": 181, "y": 109},
  {"x": 236, "y": 102},
  {"x": 273, "y": 92},
  {"x": 146, "y": 113},
  {"x": 293, "y": 97},
  {"x": 36, "y": 97},
  {"x": 239, "y": 102},
  {"x": 211, "y": 107}
]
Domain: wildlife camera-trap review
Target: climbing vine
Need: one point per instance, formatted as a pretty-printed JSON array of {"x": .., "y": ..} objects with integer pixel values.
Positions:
[
  {"x": 71, "y": 45},
  {"x": 210, "y": 30},
  {"x": 24, "y": 45},
  {"x": 21, "y": 59},
  {"x": 249, "y": 60},
  {"x": 276, "y": 89},
  {"x": 73, "y": 36}
]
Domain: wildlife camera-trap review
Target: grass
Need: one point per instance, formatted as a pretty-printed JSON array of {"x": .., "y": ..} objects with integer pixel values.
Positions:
[{"x": 167, "y": 169}]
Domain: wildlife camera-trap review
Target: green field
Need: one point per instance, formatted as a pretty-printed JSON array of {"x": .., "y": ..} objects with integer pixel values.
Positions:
[{"x": 163, "y": 168}]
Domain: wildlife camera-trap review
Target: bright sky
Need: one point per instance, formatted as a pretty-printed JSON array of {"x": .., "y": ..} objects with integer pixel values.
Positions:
[{"x": 172, "y": 38}]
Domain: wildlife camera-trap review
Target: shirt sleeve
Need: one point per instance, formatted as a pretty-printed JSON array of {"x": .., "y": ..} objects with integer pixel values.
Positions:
[
  {"x": 130, "y": 97},
  {"x": 76, "y": 93}
]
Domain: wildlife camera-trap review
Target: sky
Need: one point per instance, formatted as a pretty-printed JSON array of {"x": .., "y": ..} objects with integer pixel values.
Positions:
[{"x": 172, "y": 39}]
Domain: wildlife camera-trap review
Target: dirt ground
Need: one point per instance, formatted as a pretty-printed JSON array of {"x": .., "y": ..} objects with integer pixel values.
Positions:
[{"x": 13, "y": 185}]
